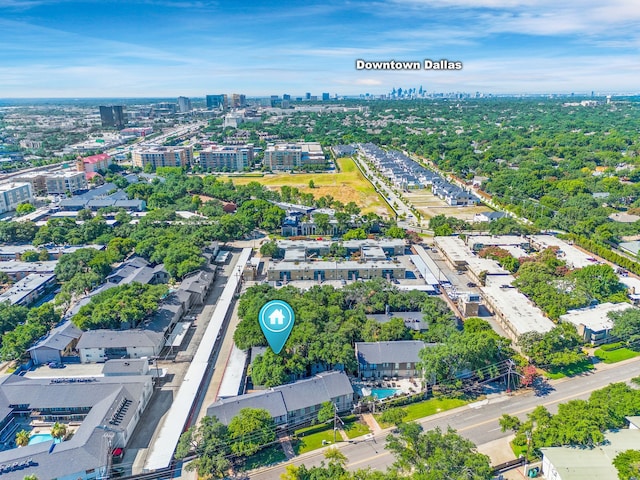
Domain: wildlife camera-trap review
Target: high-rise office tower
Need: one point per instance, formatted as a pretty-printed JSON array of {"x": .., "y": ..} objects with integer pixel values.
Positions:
[
  {"x": 184, "y": 105},
  {"x": 216, "y": 101},
  {"x": 112, "y": 116}
]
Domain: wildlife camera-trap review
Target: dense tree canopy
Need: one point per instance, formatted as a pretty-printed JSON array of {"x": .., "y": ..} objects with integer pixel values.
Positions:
[
  {"x": 328, "y": 323},
  {"x": 578, "y": 422},
  {"x": 116, "y": 307}
]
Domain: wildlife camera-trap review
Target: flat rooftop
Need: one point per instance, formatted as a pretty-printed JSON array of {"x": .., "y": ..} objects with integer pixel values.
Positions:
[
  {"x": 327, "y": 265},
  {"x": 595, "y": 318},
  {"x": 459, "y": 252},
  {"x": 574, "y": 257},
  {"x": 497, "y": 240},
  {"x": 25, "y": 287},
  {"x": 520, "y": 312}
]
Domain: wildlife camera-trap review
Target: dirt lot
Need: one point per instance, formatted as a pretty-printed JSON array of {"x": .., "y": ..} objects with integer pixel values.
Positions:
[{"x": 430, "y": 206}]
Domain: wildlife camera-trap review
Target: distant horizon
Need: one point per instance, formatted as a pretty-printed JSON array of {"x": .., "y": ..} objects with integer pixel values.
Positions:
[
  {"x": 162, "y": 48},
  {"x": 294, "y": 97}
]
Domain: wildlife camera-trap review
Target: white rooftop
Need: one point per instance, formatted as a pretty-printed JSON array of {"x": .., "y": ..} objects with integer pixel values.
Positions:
[
  {"x": 521, "y": 313},
  {"x": 233, "y": 373},
  {"x": 595, "y": 318},
  {"x": 458, "y": 251},
  {"x": 496, "y": 240},
  {"x": 24, "y": 287},
  {"x": 574, "y": 257}
]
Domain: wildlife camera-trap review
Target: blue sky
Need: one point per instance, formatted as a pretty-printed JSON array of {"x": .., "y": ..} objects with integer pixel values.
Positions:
[{"x": 195, "y": 47}]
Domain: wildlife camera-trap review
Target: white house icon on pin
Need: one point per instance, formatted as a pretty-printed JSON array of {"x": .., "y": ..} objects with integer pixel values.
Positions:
[{"x": 276, "y": 317}]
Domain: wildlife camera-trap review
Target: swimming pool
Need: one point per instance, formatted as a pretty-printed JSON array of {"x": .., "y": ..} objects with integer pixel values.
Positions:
[
  {"x": 379, "y": 393},
  {"x": 39, "y": 438}
]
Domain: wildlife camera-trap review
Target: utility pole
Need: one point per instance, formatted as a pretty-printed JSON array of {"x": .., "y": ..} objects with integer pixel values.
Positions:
[{"x": 336, "y": 419}]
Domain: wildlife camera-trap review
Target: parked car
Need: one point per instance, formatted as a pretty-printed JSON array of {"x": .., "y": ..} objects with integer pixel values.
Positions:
[
  {"x": 471, "y": 285},
  {"x": 56, "y": 365}
]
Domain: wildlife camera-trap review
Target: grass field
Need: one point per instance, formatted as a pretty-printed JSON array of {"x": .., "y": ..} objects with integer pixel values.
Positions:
[
  {"x": 570, "y": 370},
  {"x": 428, "y": 407},
  {"x": 266, "y": 456},
  {"x": 355, "y": 429},
  {"x": 608, "y": 355},
  {"x": 347, "y": 185},
  {"x": 311, "y": 438}
]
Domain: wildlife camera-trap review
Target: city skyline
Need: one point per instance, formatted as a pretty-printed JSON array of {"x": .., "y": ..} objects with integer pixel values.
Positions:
[{"x": 193, "y": 48}]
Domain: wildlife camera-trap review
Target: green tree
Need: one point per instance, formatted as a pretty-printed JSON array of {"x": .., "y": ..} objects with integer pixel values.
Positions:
[
  {"x": 268, "y": 370},
  {"x": 434, "y": 454},
  {"x": 628, "y": 464},
  {"x": 395, "y": 416},
  {"x": 22, "y": 438},
  {"x": 626, "y": 325},
  {"x": 269, "y": 249},
  {"x": 30, "y": 256},
  {"x": 335, "y": 456},
  {"x": 561, "y": 346},
  {"x": 312, "y": 184},
  {"x": 210, "y": 442},
  {"x": 509, "y": 422},
  {"x": 395, "y": 232},
  {"x": 24, "y": 209},
  {"x": 322, "y": 222},
  {"x": 59, "y": 431},
  {"x": 250, "y": 430},
  {"x": 326, "y": 412},
  {"x": 355, "y": 234}
]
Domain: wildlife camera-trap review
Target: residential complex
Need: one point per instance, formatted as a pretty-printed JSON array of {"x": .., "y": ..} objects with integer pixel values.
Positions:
[
  {"x": 291, "y": 404},
  {"x": 13, "y": 194},
  {"x": 104, "y": 412},
  {"x": 28, "y": 290},
  {"x": 230, "y": 158},
  {"x": 161, "y": 156},
  {"x": 94, "y": 163},
  {"x": 389, "y": 359},
  {"x": 61, "y": 183},
  {"x": 292, "y": 156},
  {"x": 405, "y": 173}
]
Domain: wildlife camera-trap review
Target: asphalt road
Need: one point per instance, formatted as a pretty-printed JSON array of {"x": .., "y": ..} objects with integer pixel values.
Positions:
[{"x": 477, "y": 421}]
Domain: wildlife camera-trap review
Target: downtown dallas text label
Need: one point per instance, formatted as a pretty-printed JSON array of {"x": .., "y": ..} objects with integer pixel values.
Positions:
[{"x": 427, "y": 64}]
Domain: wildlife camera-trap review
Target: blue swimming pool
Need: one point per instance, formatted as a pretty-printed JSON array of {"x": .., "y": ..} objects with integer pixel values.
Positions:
[
  {"x": 39, "y": 438},
  {"x": 379, "y": 393}
]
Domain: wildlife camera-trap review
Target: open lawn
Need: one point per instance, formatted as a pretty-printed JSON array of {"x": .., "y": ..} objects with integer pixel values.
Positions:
[
  {"x": 355, "y": 428},
  {"x": 347, "y": 185},
  {"x": 428, "y": 407},
  {"x": 608, "y": 355},
  {"x": 266, "y": 456},
  {"x": 570, "y": 370},
  {"x": 311, "y": 438}
]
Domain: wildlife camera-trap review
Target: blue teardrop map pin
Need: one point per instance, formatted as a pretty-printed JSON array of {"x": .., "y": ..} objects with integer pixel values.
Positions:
[{"x": 276, "y": 321}]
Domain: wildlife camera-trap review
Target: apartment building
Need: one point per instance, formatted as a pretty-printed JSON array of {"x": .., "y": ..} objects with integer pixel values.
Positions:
[
  {"x": 161, "y": 156},
  {"x": 60, "y": 183},
  {"x": 226, "y": 157},
  {"x": 291, "y": 156},
  {"x": 94, "y": 163},
  {"x": 13, "y": 194}
]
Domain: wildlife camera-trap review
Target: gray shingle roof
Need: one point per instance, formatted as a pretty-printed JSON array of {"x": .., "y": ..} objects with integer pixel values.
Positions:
[
  {"x": 286, "y": 398},
  {"x": 85, "y": 450},
  {"x": 120, "y": 339},
  {"x": 59, "y": 337},
  {"x": 389, "y": 352}
]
